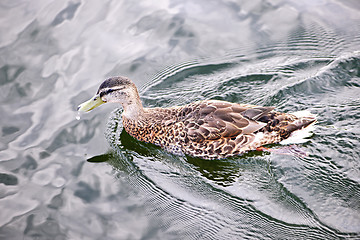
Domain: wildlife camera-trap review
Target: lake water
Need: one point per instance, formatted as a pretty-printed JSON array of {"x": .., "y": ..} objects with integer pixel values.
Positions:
[{"x": 63, "y": 178}]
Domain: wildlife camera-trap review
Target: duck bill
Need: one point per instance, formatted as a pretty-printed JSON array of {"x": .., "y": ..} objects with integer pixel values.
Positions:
[{"x": 90, "y": 104}]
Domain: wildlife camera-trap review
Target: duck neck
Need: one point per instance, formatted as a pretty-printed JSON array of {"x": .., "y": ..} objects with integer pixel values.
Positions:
[{"x": 133, "y": 110}]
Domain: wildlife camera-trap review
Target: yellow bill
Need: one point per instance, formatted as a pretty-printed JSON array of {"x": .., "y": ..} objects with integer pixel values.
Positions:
[{"x": 90, "y": 104}]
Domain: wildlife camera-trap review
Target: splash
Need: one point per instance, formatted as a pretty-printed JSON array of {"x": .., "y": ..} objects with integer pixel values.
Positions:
[
  {"x": 78, "y": 117},
  {"x": 291, "y": 150}
]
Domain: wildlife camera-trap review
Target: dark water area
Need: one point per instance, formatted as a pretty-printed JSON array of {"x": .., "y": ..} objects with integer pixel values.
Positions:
[{"x": 63, "y": 178}]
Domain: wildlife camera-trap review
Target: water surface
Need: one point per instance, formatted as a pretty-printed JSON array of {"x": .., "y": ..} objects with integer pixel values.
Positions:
[{"x": 62, "y": 178}]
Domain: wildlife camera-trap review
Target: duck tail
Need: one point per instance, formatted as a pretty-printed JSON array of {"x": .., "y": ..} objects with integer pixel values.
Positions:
[{"x": 301, "y": 129}]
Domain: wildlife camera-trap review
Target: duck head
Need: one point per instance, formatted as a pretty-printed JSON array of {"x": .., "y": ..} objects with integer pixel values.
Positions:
[{"x": 115, "y": 89}]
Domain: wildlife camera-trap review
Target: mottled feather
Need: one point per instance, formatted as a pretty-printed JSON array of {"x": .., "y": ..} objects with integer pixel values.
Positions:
[{"x": 207, "y": 129}]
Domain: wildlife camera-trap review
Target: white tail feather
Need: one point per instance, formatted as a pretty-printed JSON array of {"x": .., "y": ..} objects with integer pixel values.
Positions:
[
  {"x": 304, "y": 114},
  {"x": 301, "y": 135}
]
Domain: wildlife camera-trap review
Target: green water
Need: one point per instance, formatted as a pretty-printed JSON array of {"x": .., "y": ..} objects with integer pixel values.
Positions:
[{"x": 63, "y": 178}]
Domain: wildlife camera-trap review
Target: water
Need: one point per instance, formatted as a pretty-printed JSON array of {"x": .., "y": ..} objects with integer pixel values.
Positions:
[{"x": 66, "y": 176}]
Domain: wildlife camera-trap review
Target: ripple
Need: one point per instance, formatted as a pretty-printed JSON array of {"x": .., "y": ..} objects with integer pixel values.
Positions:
[
  {"x": 220, "y": 196},
  {"x": 45, "y": 176},
  {"x": 8, "y": 179},
  {"x": 176, "y": 198},
  {"x": 291, "y": 55}
]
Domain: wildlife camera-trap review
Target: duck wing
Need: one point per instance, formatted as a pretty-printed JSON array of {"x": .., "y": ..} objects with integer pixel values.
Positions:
[{"x": 213, "y": 119}]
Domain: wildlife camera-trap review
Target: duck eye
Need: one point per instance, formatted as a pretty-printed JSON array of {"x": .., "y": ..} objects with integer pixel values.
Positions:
[
  {"x": 106, "y": 92},
  {"x": 109, "y": 91}
]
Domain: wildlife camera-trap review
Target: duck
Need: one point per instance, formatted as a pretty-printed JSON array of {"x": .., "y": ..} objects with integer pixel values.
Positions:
[{"x": 208, "y": 129}]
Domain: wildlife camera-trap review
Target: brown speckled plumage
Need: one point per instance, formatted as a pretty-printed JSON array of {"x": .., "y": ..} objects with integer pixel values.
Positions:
[{"x": 207, "y": 129}]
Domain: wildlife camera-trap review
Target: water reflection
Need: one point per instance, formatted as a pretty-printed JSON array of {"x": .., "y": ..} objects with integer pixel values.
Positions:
[{"x": 294, "y": 55}]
